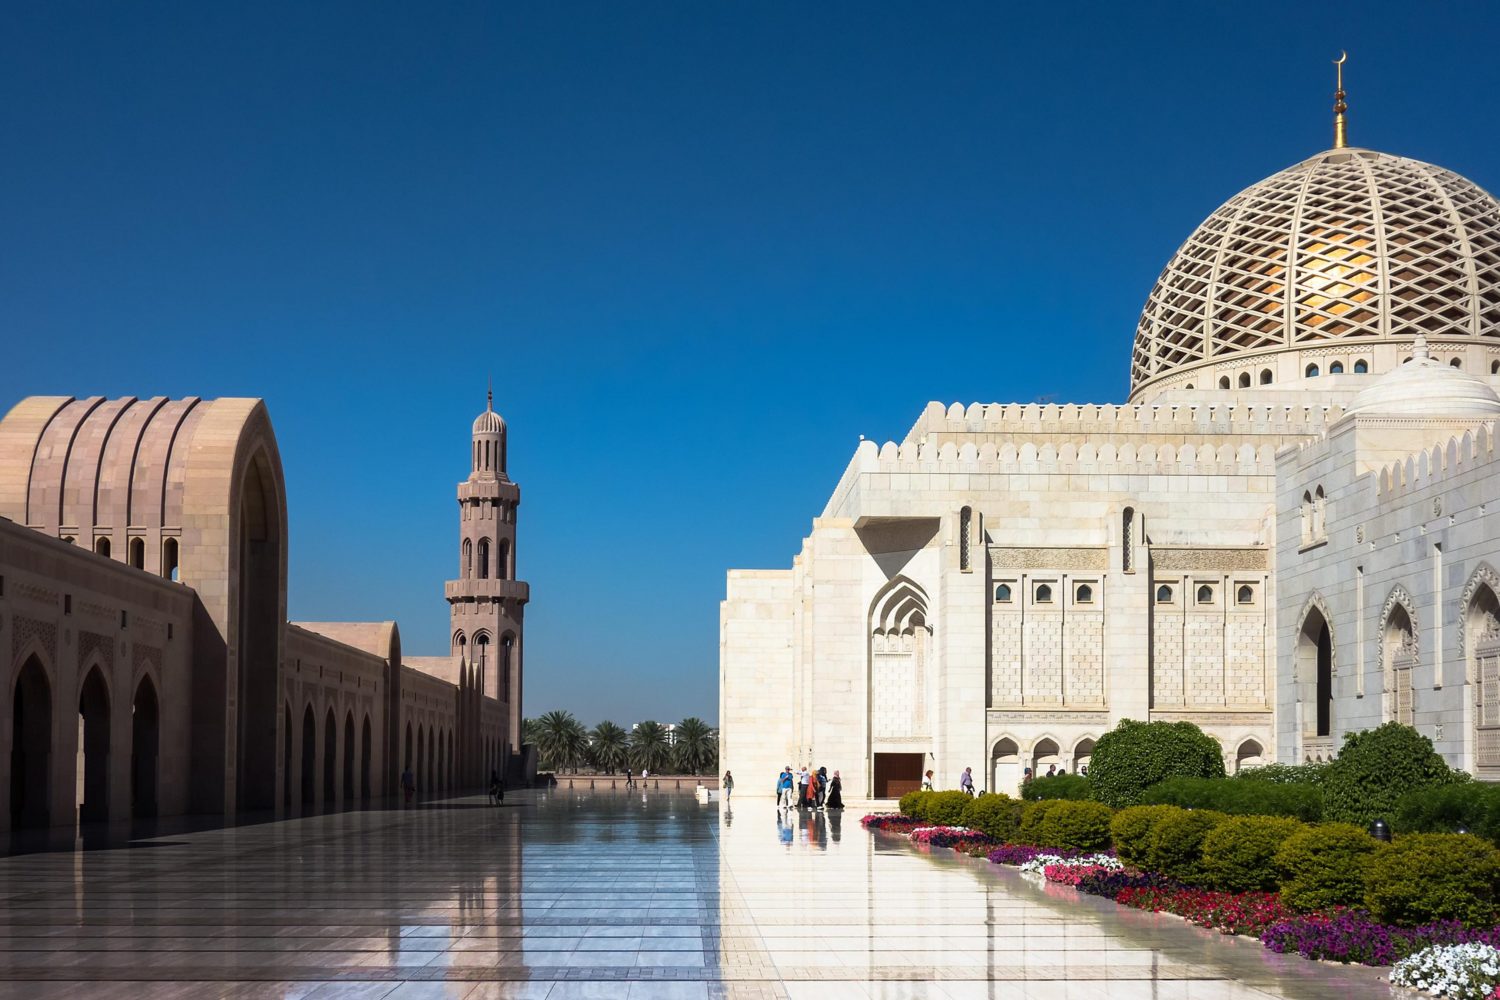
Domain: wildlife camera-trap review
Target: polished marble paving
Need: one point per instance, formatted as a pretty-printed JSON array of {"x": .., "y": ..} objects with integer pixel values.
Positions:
[{"x": 570, "y": 896}]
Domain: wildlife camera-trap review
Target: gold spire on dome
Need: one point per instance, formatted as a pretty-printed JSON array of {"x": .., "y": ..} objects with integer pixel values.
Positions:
[
  {"x": 1340, "y": 128},
  {"x": 489, "y": 395}
]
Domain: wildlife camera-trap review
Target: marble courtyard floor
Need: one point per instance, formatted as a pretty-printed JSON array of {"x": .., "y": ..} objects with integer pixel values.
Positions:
[{"x": 579, "y": 895}]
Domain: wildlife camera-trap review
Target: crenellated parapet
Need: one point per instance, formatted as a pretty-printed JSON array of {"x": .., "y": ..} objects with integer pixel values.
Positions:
[
  {"x": 1459, "y": 456},
  {"x": 1274, "y": 418}
]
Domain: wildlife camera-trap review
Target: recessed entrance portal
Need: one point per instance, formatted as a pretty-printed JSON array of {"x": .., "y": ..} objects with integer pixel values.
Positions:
[
  {"x": 145, "y": 741},
  {"x": 31, "y": 747},
  {"x": 93, "y": 750},
  {"x": 897, "y": 773}
]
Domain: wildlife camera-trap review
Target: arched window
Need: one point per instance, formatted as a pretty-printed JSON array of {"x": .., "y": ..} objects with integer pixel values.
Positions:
[
  {"x": 1307, "y": 517},
  {"x": 1043, "y": 594},
  {"x": 1244, "y": 380},
  {"x": 101, "y": 546},
  {"x": 1002, "y": 593},
  {"x": 1245, "y": 595},
  {"x": 1224, "y": 382},
  {"x": 1127, "y": 540},
  {"x": 1495, "y": 368},
  {"x": 169, "y": 559},
  {"x": 1265, "y": 376},
  {"x": 1337, "y": 368},
  {"x": 70, "y": 539},
  {"x": 1361, "y": 367},
  {"x": 1312, "y": 371},
  {"x": 484, "y": 559},
  {"x": 1164, "y": 594},
  {"x": 1084, "y": 594},
  {"x": 502, "y": 561},
  {"x": 1456, "y": 363},
  {"x": 965, "y": 542},
  {"x": 1205, "y": 594},
  {"x": 468, "y": 559},
  {"x": 1320, "y": 514},
  {"x": 138, "y": 553},
  {"x": 1188, "y": 386}
]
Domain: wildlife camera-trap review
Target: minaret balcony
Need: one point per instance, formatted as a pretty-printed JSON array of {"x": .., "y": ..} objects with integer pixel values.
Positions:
[{"x": 493, "y": 590}]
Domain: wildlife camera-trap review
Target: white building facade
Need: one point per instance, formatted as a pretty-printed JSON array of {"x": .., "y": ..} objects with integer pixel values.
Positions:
[{"x": 1008, "y": 582}]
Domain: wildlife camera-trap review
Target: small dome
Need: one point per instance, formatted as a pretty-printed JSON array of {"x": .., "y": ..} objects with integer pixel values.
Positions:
[
  {"x": 1429, "y": 388},
  {"x": 489, "y": 422}
]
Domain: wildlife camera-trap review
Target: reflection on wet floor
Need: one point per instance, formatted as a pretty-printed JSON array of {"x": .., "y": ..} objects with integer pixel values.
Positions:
[{"x": 603, "y": 894}]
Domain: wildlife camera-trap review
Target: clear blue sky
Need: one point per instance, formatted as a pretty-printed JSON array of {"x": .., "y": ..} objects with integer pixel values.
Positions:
[{"x": 701, "y": 246}]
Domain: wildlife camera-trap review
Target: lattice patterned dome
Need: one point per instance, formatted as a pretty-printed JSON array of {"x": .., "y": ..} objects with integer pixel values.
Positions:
[{"x": 1348, "y": 245}]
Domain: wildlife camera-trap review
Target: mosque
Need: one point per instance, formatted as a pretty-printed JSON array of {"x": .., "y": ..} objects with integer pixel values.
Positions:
[
  {"x": 150, "y": 667},
  {"x": 1288, "y": 531}
]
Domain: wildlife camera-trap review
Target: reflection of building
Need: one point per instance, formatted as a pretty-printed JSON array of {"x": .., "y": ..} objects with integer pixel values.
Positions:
[
  {"x": 1303, "y": 444},
  {"x": 143, "y": 568}
]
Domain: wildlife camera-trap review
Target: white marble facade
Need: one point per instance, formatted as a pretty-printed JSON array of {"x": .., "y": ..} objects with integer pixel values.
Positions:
[{"x": 1008, "y": 582}]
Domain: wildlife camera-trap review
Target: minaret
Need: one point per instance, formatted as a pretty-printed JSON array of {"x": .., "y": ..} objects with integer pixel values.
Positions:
[{"x": 486, "y": 604}]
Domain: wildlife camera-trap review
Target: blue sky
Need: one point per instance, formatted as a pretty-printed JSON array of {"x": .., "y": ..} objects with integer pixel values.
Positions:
[{"x": 701, "y": 247}]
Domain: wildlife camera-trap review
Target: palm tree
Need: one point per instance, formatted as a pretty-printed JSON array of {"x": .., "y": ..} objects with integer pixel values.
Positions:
[
  {"x": 558, "y": 738},
  {"x": 695, "y": 745},
  {"x": 610, "y": 745},
  {"x": 649, "y": 747}
]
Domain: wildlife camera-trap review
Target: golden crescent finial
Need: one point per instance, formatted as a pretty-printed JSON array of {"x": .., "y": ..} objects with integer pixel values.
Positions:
[{"x": 1340, "y": 125}]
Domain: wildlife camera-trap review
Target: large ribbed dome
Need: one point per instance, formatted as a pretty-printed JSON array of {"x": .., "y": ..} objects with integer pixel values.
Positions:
[{"x": 1348, "y": 245}]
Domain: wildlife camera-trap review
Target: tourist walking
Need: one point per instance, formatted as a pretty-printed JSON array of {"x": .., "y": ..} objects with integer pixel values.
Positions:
[
  {"x": 966, "y": 782},
  {"x": 728, "y": 784},
  {"x": 497, "y": 788},
  {"x": 802, "y": 779},
  {"x": 822, "y": 785},
  {"x": 1052, "y": 770},
  {"x": 813, "y": 792},
  {"x": 784, "y": 785},
  {"x": 408, "y": 784},
  {"x": 927, "y": 782},
  {"x": 836, "y": 792}
]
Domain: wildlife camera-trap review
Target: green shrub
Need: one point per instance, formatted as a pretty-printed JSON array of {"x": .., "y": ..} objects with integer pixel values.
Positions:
[
  {"x": 1434, "y": 876},
  {"x": 911, "y": 804},
  {"x": 1131, "y": 831},
  {"x": 1033, "y": 820},
  {"x": 945, "y": 808},
  {"x": 1177, "y": 844},
  {"x": 1285, "y": 774},
  {"x": 1239, "y": 855},
  {"x": 1445, "y": 808},
  {"x": 1324, "y": 865},
  {"x": 1076, "y": 826},
  {"x": 1058, "y": 786},
  {"x": 1239, "y": 798},
  {"x": 997, "y": 815},
  {"x": 1376, "y": 767},
  {"x": 1136, "y": 755}
]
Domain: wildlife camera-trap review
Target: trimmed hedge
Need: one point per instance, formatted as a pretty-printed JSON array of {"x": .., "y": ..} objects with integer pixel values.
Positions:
[
  {"x": 1424, "y": 877},
  {"x": 1136, "y": 755},
  {"x": 1177, "y": 844},
  {"x": 1285, "y": 774},
  {"x": 910, "y": 804},
  {"x": 1324, "y": 866},
  {"x": 1033, "y": 819},
  {"x": 1057, "y": 786},
  {"x": 1375, "y": 767},
  {"x": 999, "y": 816},
  {"x": 1131, "y": 830},
  {"x": 1444, "y": 808},
  {"x": 945, "y": 808},
  {"x": 1075, "y": 826},
  {"x": 1239, "y": 855},
  {"x": 1239, "y": 798}
]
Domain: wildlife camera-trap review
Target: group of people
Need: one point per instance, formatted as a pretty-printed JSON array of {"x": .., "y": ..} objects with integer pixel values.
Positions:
[
  {"x": 1053, "y": 771},
  {"x": 809, "y": 789}
]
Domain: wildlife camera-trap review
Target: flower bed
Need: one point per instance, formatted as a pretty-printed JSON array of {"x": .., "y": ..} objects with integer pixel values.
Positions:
[
  {"x": 1460, "y": 971},
  {"x": 1443, "y": 955}
]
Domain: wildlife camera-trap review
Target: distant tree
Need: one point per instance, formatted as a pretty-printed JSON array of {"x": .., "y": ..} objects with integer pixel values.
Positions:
[
  {"x": 561, "y": 739},
  {"x": 695, "y": 749},
  {"x": 610, "y": 746},
  {"x": 530, "y": 732},
  {"x": 649, "y": 746}
]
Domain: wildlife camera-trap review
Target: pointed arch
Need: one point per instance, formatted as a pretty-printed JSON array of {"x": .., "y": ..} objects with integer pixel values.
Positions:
[
  {"x": 1397, "y": 644},
  {"x": 899, "y": 682},
  {"x": 145, "y": 747},
  {"x": 899, "y": 607},
  {"x": 31, "y": 745},
  {"x": 1315, "y": 660},
  {"x": 1479, "y": 638},
  {"x": 93, "y": 747}
]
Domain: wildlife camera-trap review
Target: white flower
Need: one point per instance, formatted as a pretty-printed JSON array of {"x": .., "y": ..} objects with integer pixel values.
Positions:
[{"x": 1457, "y": 971}]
